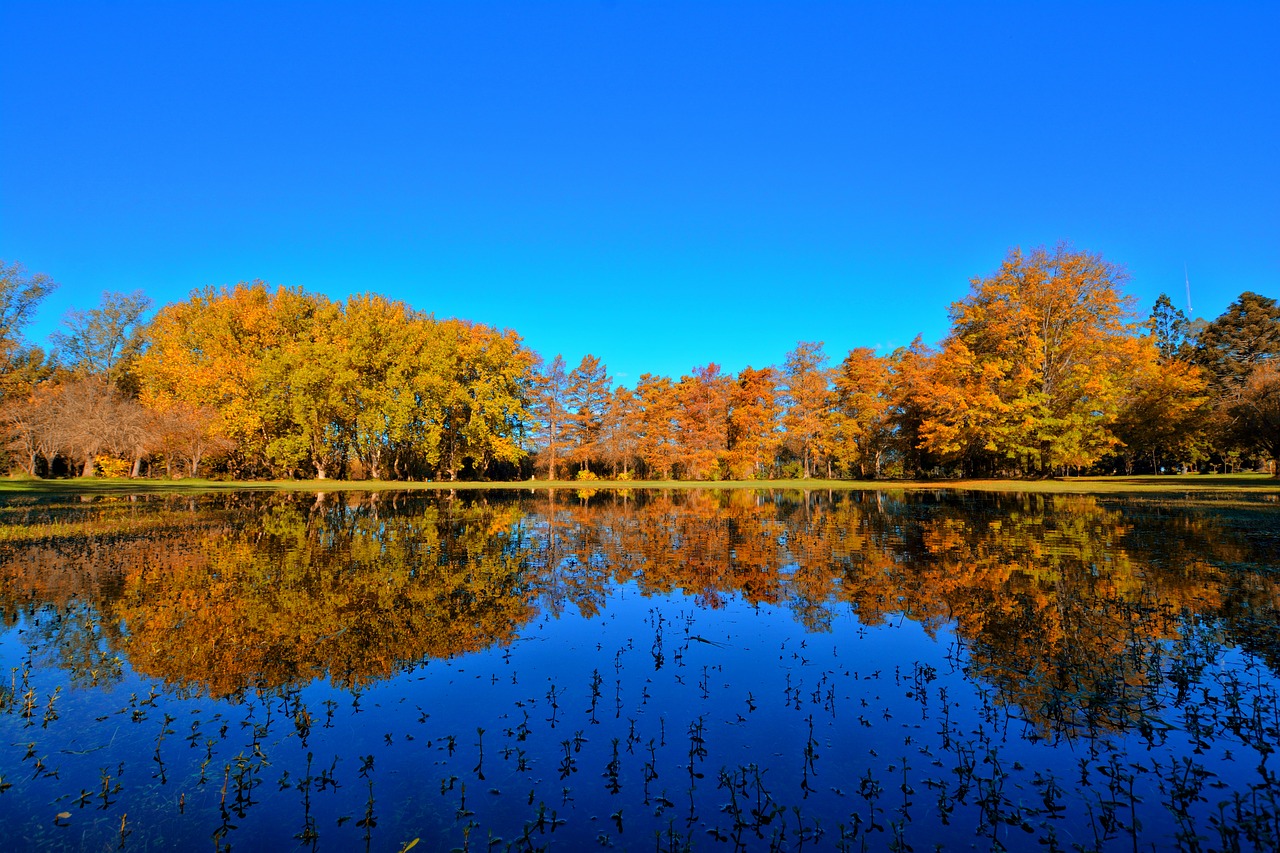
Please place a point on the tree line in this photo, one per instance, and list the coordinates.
(1046, 370)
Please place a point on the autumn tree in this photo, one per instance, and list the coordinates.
(755, 413)
(387, 367)
(964, 409)
(188, 434)
(702, 418)
(211, 350)
(1034, 367)
(1163, 408)
(656, 435)
(910, 382)
(307, 383)
(806, 400)
(860, 429)
(1255, 411)
(303, 384)
(587, 398)
(410, 395)
(487, 391)
(88, 414)
(618, 444)
(31, 427)
(80, 420)
(551, 409)
(83, 418)
(22, 379)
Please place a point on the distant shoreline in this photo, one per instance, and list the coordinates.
(1173, 483)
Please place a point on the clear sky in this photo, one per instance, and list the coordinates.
(659, 184)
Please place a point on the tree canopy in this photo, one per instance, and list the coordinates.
(1045, 370)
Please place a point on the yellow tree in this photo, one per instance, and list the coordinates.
(384, 343)
(1163, 409)
(211, 350)
(304, 385)
(1040, 352)
(490, 373)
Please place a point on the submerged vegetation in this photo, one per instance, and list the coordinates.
(666, 670)
(1047, 371)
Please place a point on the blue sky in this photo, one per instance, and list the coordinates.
(659, 184)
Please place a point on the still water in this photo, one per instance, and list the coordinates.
(660, 671)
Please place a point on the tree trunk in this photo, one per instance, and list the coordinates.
(87, 470)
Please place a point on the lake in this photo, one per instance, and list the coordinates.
(722, 670)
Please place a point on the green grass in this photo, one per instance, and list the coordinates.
(1073, 485)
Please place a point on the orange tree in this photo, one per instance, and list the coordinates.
(1033, 372)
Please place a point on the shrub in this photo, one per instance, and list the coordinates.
(110, 466)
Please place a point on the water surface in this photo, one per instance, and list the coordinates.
(707, 670)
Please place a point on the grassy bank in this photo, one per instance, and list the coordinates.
(1175, 484)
